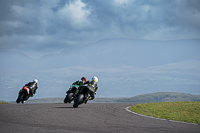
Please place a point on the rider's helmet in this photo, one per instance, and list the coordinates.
(95, 79)
(35, 80)
(83, 79)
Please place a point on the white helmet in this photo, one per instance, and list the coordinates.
(35, 80)
(95, 79)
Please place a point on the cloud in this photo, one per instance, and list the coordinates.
(75, 14)
(52, 25)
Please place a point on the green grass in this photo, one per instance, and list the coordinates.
(187, 111)
(4, 103)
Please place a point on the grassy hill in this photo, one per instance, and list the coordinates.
(161, 97)
(152, 97)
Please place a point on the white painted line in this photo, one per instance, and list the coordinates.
(127, 109)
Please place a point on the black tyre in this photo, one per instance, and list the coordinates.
(65, 100)
(78, 101)
(68, 98)
(17, 101)
(20, 98)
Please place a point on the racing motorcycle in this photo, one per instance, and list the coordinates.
(23, 95)
(82, 96)
(70, 94)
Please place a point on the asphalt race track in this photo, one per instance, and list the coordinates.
(91, 117)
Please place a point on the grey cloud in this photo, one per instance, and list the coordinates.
(148, 15)
(46, 25)
(15, 20)
(137, 15)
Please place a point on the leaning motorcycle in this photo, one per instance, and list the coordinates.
(82, 96)
(70, 95)
(23, 95)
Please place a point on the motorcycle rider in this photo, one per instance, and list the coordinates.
(77, 84)
(94, 84)
(32, 87)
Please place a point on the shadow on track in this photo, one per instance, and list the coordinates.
(64, 107)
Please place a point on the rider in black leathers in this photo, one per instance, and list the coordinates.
(32, 87)
(94, 84)
(78, 84)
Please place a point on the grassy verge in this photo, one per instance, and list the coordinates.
(4, 103)
(179, 111)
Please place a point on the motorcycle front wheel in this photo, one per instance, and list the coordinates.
(68, 98)
(78, 101)
(20, 98)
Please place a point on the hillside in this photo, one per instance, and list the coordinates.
(108, 53)
(161, 97)
(153, 97)
(125, 68)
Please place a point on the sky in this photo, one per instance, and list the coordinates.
(39, 27)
